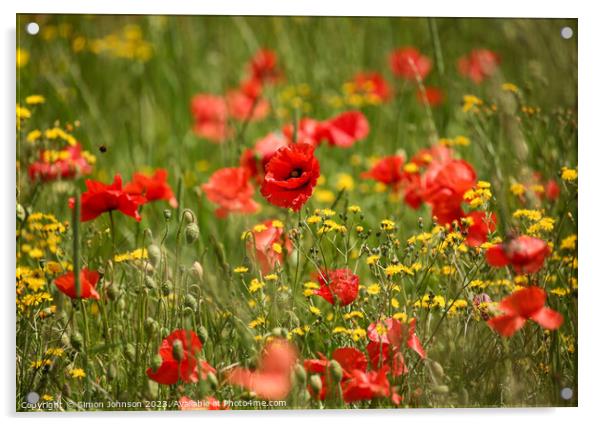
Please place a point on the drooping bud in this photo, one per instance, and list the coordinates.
(77, 341)
(113, 291)
(178, 350)
(300, 374)
(154, 254)
(167, 215)
(148, 234)
(315, 383)
(149, 282)
(436, 370)
(189, 216)
(130, 352)
(197, 268)
(191, 302)
(166, 288)
(156, 362)
(202, 334)
(151, 326)
(192, 232)
(280, 332)
(336, 371)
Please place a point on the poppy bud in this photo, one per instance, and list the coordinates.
(154, 254)
(188, 311)
(121, 304)
(111, 372)
(191, 302)
(212, 380)
(77, 341)
(300, 374)
(305, 395)
(150, 325)
(202, 334)
(156, 362)
(197, 268)
(21, 212)
(178, 350)
(130, 352)
(440, 390)
(149, 282)
(336, 372)
(148, 234)
(315, 383)
(189, 216)
(436, 370)
(166, 288)
(113, 291)
(192, 233)
(167, 215)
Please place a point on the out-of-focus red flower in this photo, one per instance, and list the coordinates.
(444, 186)
(243, 107)
(153, 187)
(394, 332)
(409, 63)
(68, 164)
(432, 96)
(210, 114)
(338, 285)
(185, 369)
(366, 385)
(272, 379)
(264, 66)
(291, 175)
(88, 280)
(371, 84)
(384, 354)
(345, 129)
(552, 191)
(478, 64)
(268, 244)
(526, 254)
(482, 224)
(230, 189)
(208, 403)
(101, 198)
(522, 305)
(255, 159)
(387, 171)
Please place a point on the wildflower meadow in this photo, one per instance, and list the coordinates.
(236, 213)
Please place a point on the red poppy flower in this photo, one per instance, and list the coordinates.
(394, 332)
(243, 107)
(431, 96)
(364, 385)
(68, 164)
(480, 228)
(208, 403)
(101, 198)
(526, 254)
(87, 279)
(262, 152)
(384, 354)
(409, 63)
(387, 171)
(552, 190)
(187, 367)
(345, 129)
(210, 114)
(153, 187)
(522, 305)
(272, 379)
(230, 189)
(372, 84)
(444, 186)
(478, 64)
(341, 284)
(264, 66)
(291, 175)
(268, 245)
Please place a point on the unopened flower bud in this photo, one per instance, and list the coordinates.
(178, 350)
(113, 291)
(203, 334)
(189, 216)
(156, 362)
(437, 370)
(130, 352)
(280, 332)
(111, 372)
(148, 234)
(166, 288)
(190, 302)
(167, 214)
(149, 282)
(192, 232)
(440, 390)
(300, 374)
(77, 341)
(150, 325)
(336, 372)
(154, 254)
(197, 268)
(315, 383)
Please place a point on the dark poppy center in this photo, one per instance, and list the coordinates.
(296, 173)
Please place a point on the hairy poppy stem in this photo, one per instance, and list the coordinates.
(75, 224)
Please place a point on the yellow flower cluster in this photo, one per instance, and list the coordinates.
(294, 98)
(40, 236)
(132, 255)
(126, 44)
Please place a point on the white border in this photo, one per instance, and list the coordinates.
(590, 185)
